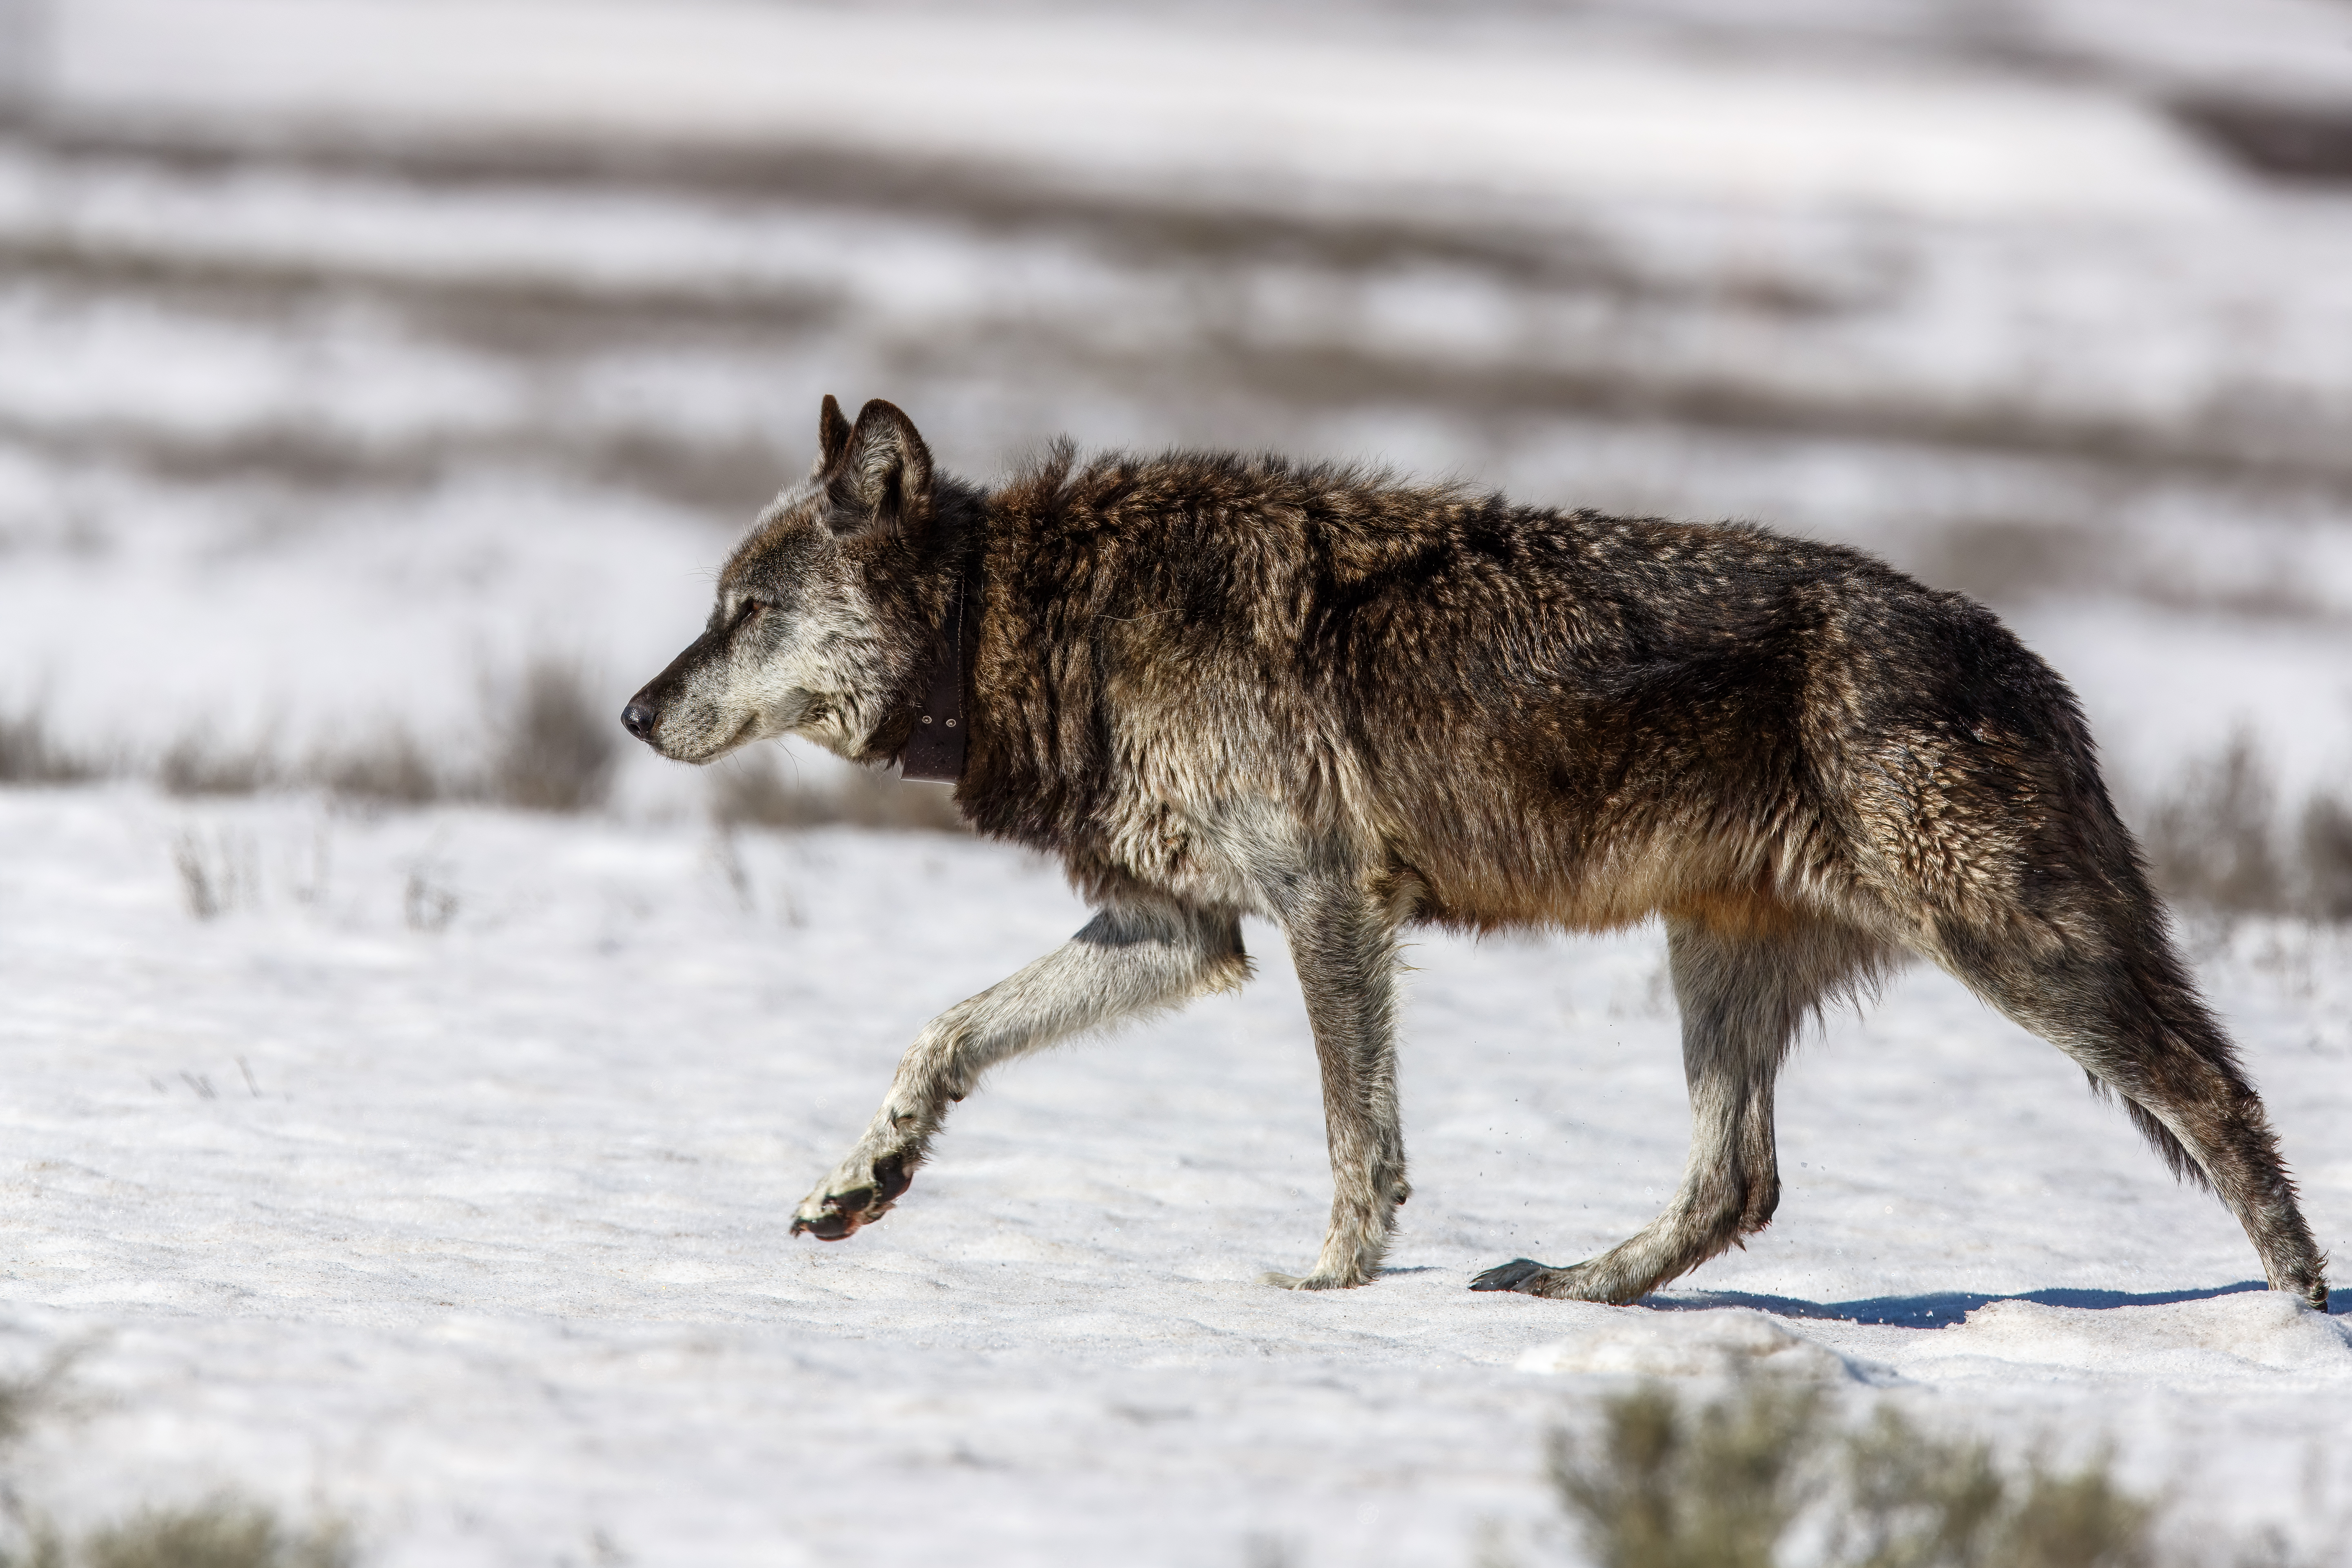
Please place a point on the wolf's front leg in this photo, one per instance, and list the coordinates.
(1128, 959)
(1343, 943)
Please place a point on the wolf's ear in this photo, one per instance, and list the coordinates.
(831, 435)
(883, 480)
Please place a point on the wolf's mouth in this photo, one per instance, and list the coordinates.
(742, 731)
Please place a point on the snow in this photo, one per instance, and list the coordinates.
(477, 1234)
(2214, 1345)
(443, 1180)
(1104, 97)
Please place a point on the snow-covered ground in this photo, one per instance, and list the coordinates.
(444, 1180)
(441, 1180)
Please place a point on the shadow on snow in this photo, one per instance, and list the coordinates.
(1944, 1306)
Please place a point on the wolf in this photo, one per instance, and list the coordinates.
(1218, 684)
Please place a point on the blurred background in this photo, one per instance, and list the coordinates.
(381, 381)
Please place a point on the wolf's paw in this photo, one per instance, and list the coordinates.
(1321, 1279)
(856, 1194)
(1281, 1281)
(1577, 1282)
(1516, 1275)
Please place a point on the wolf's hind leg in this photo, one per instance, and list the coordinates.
(1745, 987)
(1128, 960)
(2121, 1003)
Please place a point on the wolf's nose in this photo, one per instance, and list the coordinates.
(638, 719)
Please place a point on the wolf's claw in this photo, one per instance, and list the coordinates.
(826, 1228)
(834, 1216)
(1508, 1276)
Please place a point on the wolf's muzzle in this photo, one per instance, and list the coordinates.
(639, 719)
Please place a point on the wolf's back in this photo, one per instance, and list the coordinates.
(1547, 714)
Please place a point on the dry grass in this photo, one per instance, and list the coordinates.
(223, 1532)
(2210, 840)
(751, 790)
(2325, 843)
(194, 765)
(1736, 1482)
(217, 874)
(554, 745)
(426, 904)
(1717, 1487)
(391, 767)
(2219, 842)
(29, 754)
(1917, 1500)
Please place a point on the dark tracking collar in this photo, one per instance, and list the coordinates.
(934, 751)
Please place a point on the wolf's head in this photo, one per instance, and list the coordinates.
(795, 644)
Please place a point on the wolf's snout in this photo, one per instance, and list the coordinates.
(639, 719)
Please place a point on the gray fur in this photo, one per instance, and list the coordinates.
(1215, 686)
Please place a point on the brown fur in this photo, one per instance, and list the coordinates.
(1214, 685)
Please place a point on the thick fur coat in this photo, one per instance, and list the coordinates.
(1216, 685)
